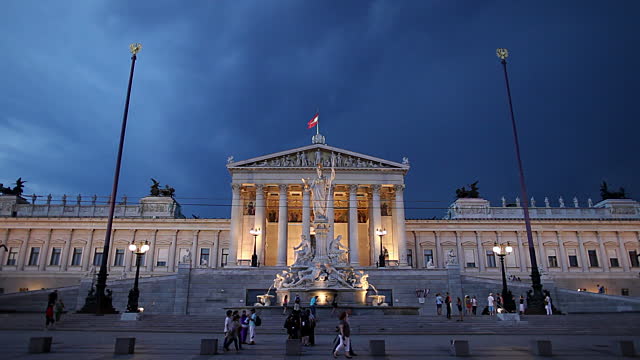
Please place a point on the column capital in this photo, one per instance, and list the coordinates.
(376, 188)
(306, 188)
(235, 187)
(477, 232)
(458, 233)
(399, 187)
(259, 187)
(195, 232)
(436, 233)
(353, 188)
(283, 188)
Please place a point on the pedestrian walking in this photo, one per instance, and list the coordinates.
(285, 302)
(439, 304)
(244, 327)
(292, 324)
(48, 314)
(474, 305)
(59, 309)
(53, 297)
(233, 334)
(312, 334)
(345, 334)
(447, 303)
(305, 327)
(521, 306)
(491, 304)
(227, 322)
(254, 320)
(467, 304)
(547, 304)
(312, 304)
(460, 311)
(296, 304)
(334, 304)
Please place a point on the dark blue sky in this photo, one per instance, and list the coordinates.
(392, 78)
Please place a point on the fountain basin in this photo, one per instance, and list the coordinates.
(345, 297)
(378, 300)
(264, 300)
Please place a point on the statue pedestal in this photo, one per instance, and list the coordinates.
(160, 207)
(325, 296)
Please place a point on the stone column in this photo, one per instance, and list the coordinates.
(330, 215)
(152, 251)
(439, 256)
(234, 228)
(306, 212)
(521, 252)
(563, 253)
(283, 225)
(583, 252)
(172, 252)
(480, 251)
(194, 249)
(460, 252)
(66, 251)
(400, 225)
(2, 251)
(22, 258)
(624, 255)
(377, 220)
(213, 261)
(354, 255)
(86, 252)
(543, 254)
(604, 257)
(128, 254)
(259, 222)
(45, 250)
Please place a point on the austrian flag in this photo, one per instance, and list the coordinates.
(314, 121)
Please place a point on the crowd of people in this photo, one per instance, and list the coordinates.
(495, 304)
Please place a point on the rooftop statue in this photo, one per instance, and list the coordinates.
(157, 191)
(472, 193)
(17, 190)
(606, 194)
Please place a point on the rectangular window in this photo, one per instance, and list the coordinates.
(55, 256)
(573, 257)
(469, 258)
(428, 258)
(593, 258)
(204, 256)
(633, 256)
(77, 257)
(97, 257)
(13, 256)
(410, 257)
(119, 258)
(491, 258)
(224, 258)
(142, 259)
(33, 257)
(613, 258)
(163, 255)
(551, 256)
(624, 292)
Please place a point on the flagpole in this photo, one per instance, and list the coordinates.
(318, 124)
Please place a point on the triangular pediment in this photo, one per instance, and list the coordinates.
(312, 155)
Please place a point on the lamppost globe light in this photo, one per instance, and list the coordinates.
(254, 232)
(381, 232)
(135, 48)
(508, 249)
(133, 247)
(502, 53)
(145, 248)
(496, 249)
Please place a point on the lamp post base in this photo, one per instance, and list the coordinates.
(381, 261)
(254, 260)
(535, 297)
(91, 304)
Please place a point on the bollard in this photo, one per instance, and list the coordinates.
(624, 348)
(541, 347)
(377, 348)
(459, 348)
(40, 344)
(208, 346)
(125, 346)
(293, 347)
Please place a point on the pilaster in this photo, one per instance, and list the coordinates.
(354, 255)
(283, 224)
(400, 225)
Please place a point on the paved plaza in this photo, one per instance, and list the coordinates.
(576, 342)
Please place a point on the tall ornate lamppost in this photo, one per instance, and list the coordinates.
(381, 233)
(254, 257)
(536, 301)
(134, 294)
(507, 298)
(103, 303)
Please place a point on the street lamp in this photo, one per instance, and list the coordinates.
(381, 233)
(507, 298)
(254, 257)
(102, 304)
(134, 294)
(536, 301)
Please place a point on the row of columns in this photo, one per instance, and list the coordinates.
(281, 259)
(541, 254)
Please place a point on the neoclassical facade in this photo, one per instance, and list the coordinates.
(577, 246)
